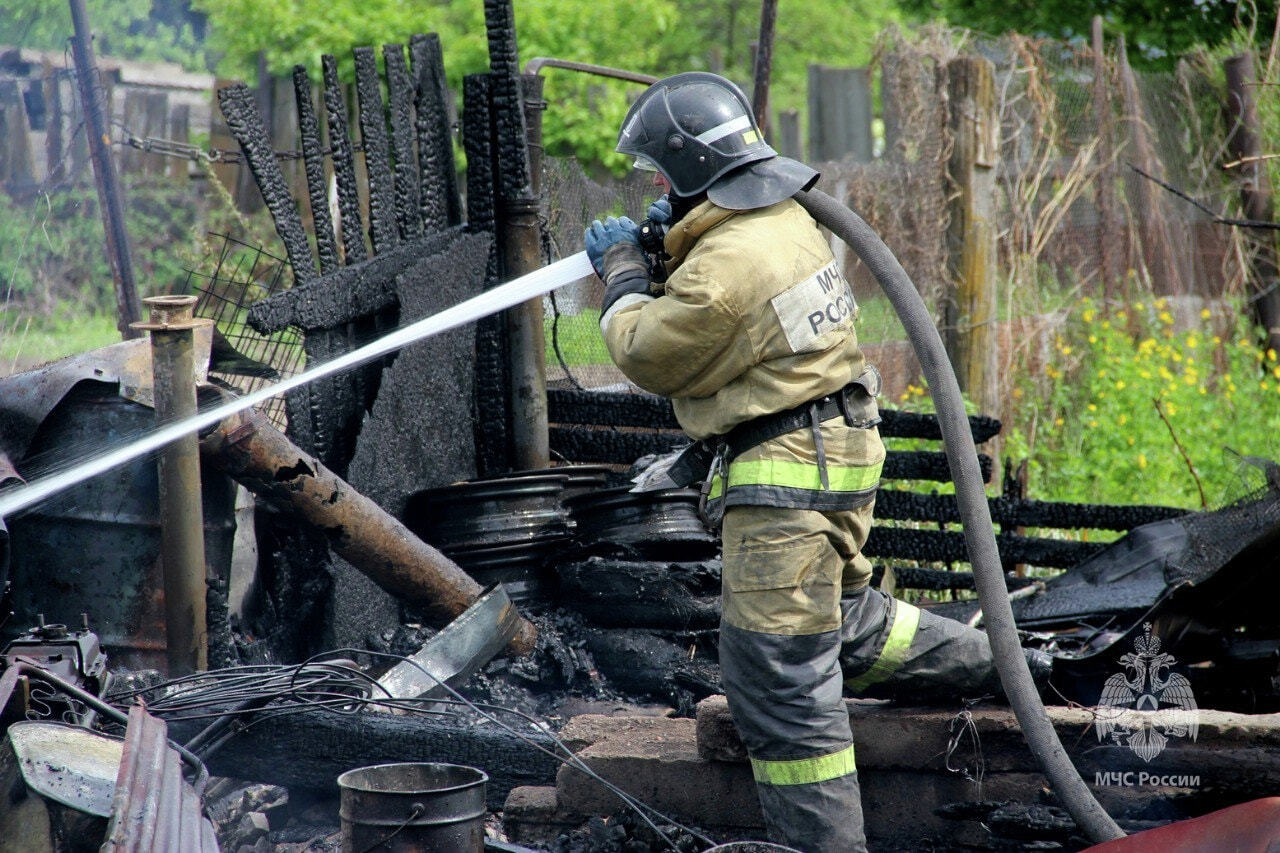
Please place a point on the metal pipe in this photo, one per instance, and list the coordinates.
(521, 234)
(246, 447)
(172, 327)
(128, 311)
(535, 66)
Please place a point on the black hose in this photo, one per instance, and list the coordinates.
(975, 515)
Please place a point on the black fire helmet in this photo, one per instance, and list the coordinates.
(697, 129)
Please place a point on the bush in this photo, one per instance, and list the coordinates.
(1130, 390)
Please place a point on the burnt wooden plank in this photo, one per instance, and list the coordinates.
(244, 120)
(946, 546)
(1010, 512)
(344, 164)
(615, 408)
(493, 446)
(438, 196)
(311, 748)
(580, 444)
(508, 108)
(400, 96)
(360, 290)
(383, 232)
(313, 160)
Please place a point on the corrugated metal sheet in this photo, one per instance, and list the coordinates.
(155, 809)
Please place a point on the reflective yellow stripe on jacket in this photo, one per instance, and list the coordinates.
(797, 475)
(804, 771)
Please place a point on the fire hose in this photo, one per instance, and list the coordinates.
(975, 514)
(943, 387)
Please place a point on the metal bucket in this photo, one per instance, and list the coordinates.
(411, 807)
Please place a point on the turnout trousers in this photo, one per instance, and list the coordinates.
(794, 640)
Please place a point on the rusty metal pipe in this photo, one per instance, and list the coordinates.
(247, 448)
(172, 326)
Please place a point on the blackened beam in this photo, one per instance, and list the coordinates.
(364, 288)
(310, 749)
(618, 447)
(317, 183)
(344, 164)
(405, 165)
(1011, 512)
(610, 408)
(245, 122)
(438, 196)
(383, 231)
(247, 448)
(945, 546)
(508, 104)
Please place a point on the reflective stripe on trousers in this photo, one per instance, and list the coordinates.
(891, 649)
(785, 695)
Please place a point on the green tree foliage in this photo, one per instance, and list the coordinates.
(153, 30)
(659, 37)
(1157, 31)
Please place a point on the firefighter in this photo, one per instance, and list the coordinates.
(751, 335)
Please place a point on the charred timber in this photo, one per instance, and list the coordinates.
(356, 291)
(250, 450)
(245, 122)
(313, 161)
(508, 108)
(944, 546)
(344, 164)
(492, 435)
(400, 94)
(377, 156)
(1011, 512)
(579, 444)
(608, 408)
(310, 749)
(438, 196)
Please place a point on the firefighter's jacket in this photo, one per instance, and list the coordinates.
(755, 318)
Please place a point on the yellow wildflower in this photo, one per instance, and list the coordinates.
(1088, 315)
(1170, 409)
(1142, 460)
(1138, 306)
(1166, 318)
(1205, 313)
(1058, 421)
(1092, 424)
(1122, 420)
(1092, 407)
(1192, 342)
(1271, 354)
(1119, 384)
(1161, 302)
(1130, 440)
(1093, 339)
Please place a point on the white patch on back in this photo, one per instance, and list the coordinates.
(821, 304)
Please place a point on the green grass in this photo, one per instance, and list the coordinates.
(27, 339)
(579, 337)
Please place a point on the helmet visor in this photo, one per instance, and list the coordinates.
(644, 164)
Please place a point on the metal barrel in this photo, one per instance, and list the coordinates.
(412, 807)
(95, 548)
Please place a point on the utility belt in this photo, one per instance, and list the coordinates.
(855, 401)
(707, 461)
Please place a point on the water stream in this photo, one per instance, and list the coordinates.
(534, 284)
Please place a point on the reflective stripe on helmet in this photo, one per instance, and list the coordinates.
(720, 131)
(906, 619)
(804, 771)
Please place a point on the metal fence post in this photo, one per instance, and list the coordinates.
(172, 327)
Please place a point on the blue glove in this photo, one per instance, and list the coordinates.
(659, 213)
(601, 235)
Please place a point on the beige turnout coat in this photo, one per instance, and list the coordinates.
(755, 318)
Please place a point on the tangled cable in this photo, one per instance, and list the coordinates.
(238, 698)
